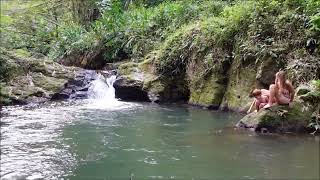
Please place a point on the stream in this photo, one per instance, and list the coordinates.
(104, 138)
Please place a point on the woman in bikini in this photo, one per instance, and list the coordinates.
(282, 92)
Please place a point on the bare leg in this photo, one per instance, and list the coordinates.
(273, 91)
(262, 105)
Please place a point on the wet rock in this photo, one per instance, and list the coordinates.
(129, 86)
(130, 89)
(77, 87)
(38, 80)
(277, 119)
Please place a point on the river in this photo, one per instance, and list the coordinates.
(103, 138)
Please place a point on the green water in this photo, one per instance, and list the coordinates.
(81, 140)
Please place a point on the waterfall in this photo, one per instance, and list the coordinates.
(101, 94)
(102, 89)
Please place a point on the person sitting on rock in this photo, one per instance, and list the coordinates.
(261, 98)
(282, 92)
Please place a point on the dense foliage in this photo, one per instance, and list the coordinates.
(137, 28)
(173, 31)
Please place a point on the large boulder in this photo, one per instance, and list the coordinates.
(137, 82)
(39, 80)
(278, 119)
(130, 89)
(129, 84)
(77, 87)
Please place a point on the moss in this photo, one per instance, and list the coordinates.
(241, 82)
(302, 89)
(22, 53)
(48, 83)
(155, 86)
(9, 68)
(127, 68)
(4, 94)
(279, 119)
(207, 92)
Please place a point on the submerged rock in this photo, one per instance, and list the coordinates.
(278, 119)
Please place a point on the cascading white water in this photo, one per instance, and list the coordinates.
(101, 94)
(102, 88)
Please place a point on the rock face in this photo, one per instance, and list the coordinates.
(41, 80)
(130, 90)
(77, 87)
(241, 81)
(244, 75)
(277, 119)
(129, 84)
(208, 80)
(136, 82)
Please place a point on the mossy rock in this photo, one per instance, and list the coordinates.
(128, 68)
(241, 82)
(164, 89)
(33, 80)
(207, 92)
(278, 119)
(50, 84)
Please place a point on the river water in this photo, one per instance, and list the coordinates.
(103, 138)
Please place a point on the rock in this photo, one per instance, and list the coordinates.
(246, 74)
(309, 93)
(136, 82)
(77, 87)
(267, 70)
(278, 119)
(165, 89)
(241, 82)
(130, 89)
(38, 80)
(208, 85)
(129, 84)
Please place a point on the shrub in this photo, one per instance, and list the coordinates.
(70, 38)
(197, 38)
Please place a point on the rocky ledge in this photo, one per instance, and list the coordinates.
(277, 119)
(137, 82)
(283, 119)
(31, 80)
